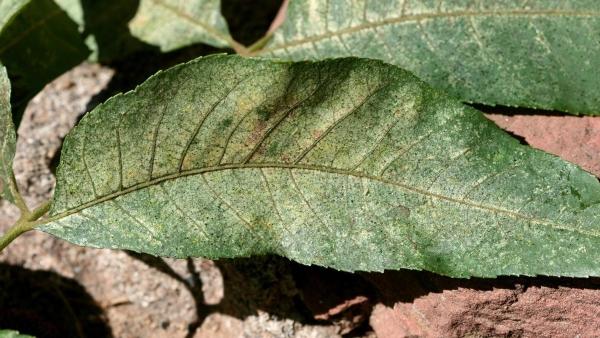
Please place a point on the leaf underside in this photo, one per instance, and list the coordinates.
(38, 42)
(348, 163)
(540, 54)
(172, 24)
(8, 138)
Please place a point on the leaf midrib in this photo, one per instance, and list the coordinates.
(200, 171)
(430, 16)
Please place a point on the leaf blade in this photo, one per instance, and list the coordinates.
(9, 140)
(173, 24)
(104, 27)
(226, 157)
(38, 42)
(539, 55)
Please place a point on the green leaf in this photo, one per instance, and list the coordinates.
(13, 334)
(74, 10)
(172, 24)
(541, 54)
(38, 42)
(8, 138)
(352, 164)
(9, 8)
(104, 26)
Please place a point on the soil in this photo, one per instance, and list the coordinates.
(51, 288)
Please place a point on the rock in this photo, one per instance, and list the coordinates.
(220, 326)
(266, 326)
(534, 311)
(573, 138)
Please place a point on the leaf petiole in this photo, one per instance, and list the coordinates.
(26, 222)
(258, 45)
(19, 201)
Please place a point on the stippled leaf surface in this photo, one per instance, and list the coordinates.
(542, 54)
(171, 24)
(8, 138)
(38, 42)
(352, 164)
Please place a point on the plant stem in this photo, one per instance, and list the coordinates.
(258, 45)
(19, 201)
(39, 211)
(21, 227)
(277, 22)
(238, 48)
(25, 223)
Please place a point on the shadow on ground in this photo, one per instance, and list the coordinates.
(320, 296)
(45, 304)
(407, 285)
(250, 284)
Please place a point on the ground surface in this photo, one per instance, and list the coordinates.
(55, 289)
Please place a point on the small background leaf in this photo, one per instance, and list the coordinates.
(172, 24)
(104, 26)
(541, 54)
(13, 334)
(7, 137)
(9, 8)
(38, 42)
(352, 164)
